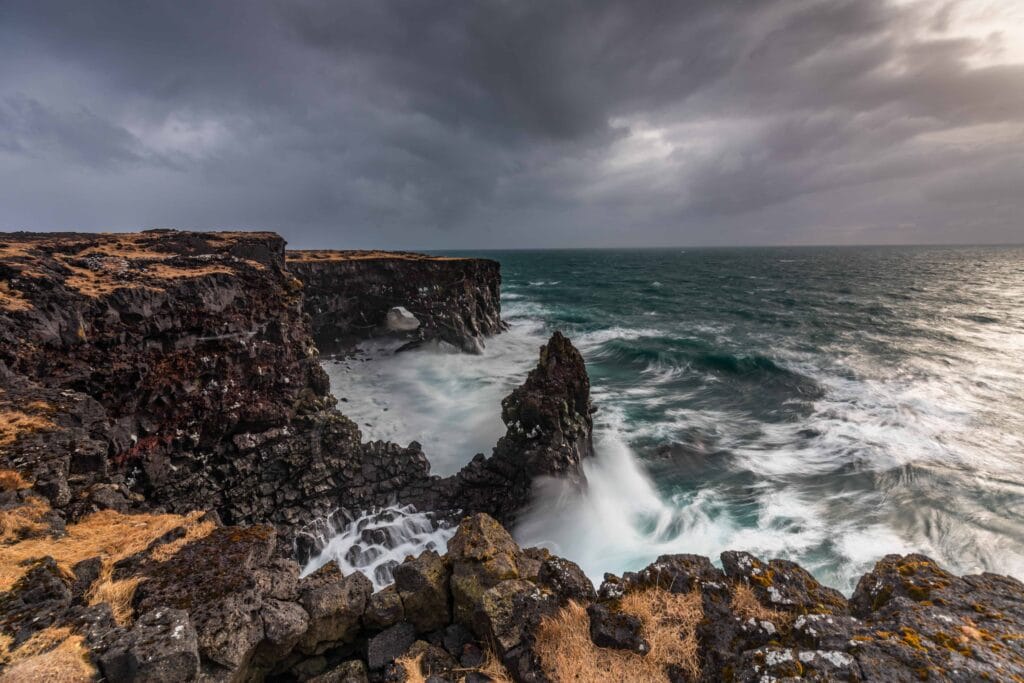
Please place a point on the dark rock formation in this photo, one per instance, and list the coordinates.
(550, 433)
(348, 294)
(177, 370)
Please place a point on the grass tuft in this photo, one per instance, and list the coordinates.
(669, 625)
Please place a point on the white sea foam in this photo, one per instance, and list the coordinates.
(449, 402)
(375, 542)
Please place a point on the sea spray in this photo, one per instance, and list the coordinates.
(377, 541)
(822, 405)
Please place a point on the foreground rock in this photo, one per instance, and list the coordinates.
(223, 608)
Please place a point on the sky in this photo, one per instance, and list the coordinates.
(444, 124)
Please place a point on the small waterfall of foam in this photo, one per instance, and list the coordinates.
(377, 541)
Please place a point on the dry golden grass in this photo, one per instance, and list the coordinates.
(12, 481)
(746, 605)
(11, 299)
(54, 655)
(107, 534)
(494, 669)
(669, 626)
(118, 594)
(13, 423)
(166, 272)
(412, 669)
(24, 520)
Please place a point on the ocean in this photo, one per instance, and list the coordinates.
(823, 405)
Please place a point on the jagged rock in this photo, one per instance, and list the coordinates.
(504, 613)
(481, 554)
(530, 562)
(616, 629)
(335, 605)
(86, 572)
(161, 647)
(783, 585)
(550, 433)
(389, 645)
(215, 580)
(566, 580)
(284, 623)
(422, 585)
(384, 609)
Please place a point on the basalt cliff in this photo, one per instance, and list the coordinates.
(167, 437)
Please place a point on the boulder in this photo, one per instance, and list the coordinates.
(566, 580)
(160, 648)
(422, 584)
(783, 585)
(284, 623)
(616, 629)
(335, 605)
(399, 319)
(482, 554)
(505, 613)
(388, 645)
(384, 609)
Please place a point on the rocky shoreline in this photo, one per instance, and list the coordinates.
(167, 433)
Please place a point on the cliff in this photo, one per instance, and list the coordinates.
(348, 295)
(177, 370)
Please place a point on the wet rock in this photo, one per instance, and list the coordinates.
(384, 609)
(389, 645)
(335, 605)
(422, 585)
(160, 648)
(617, 630)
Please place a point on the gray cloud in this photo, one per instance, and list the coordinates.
(514, 124)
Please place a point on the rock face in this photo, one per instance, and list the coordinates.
(550, 433)
(178, 370)
(350, 295)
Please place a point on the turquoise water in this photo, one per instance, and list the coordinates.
(823, 405)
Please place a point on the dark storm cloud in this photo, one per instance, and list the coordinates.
(514, 123)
